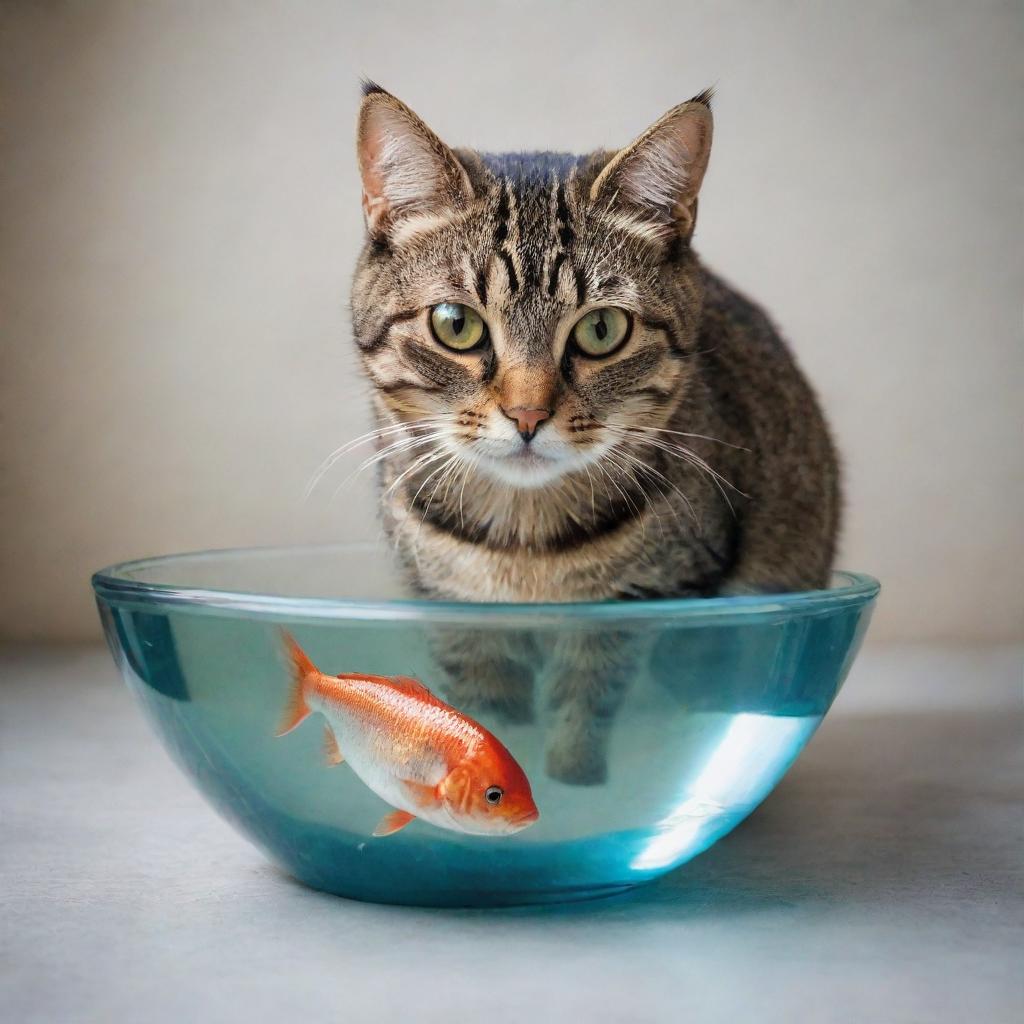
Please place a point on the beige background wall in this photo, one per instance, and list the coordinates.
(180, 216)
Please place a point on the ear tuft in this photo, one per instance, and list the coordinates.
(658, 176)
(703, 98)
(367, 86)
(406, 169)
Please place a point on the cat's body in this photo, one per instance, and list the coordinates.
(768, 524)
(623, 425)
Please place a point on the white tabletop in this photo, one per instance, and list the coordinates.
(880, 882)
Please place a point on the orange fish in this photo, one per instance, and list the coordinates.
(419, 754)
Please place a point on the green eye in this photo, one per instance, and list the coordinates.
(457, 326)
(601, 331)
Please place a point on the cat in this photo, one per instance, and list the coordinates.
(571, 406)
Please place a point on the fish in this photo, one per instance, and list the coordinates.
(417, 753)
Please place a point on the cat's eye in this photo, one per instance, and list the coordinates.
(601, 332)
(494, 794)
(457, 327)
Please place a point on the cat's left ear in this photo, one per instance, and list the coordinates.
(659, 175)
(406, 169)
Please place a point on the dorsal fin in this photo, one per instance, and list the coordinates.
(406, 684)
(416, 689)
(363, 677)
(411, 685)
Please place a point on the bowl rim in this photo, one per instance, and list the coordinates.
(115, 586)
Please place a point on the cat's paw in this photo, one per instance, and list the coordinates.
(577, 761)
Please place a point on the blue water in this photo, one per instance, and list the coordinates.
(713, 719)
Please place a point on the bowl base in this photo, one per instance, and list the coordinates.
(455, 900)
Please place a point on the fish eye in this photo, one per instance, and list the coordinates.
(457, 326)
(602, 331)
(493, 794)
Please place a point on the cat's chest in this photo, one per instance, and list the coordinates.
(456, 569)
(640, 556)
(476, 573)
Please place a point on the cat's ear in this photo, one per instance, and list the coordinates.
(406, 169)
(659, 175)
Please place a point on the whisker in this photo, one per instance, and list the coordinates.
(681, 451)
(607, 477)
(642, 469)
(396, 448)
(657, 475)
(420, 462)
(462, 493)
(450, 478)
(445, 470)
(690, 457)
(371, 435)
(625, 497)
(593, 500)
(683, 433)
(452, 457)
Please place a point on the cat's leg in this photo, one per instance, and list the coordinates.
(590, 674)
(489, 670)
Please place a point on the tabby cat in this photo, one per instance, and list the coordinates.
(571, 406)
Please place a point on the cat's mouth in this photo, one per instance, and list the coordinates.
(528, 455)
(524, 466)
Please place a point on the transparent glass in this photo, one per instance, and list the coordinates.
(725, 696)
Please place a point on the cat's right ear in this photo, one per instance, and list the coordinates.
(407, 171)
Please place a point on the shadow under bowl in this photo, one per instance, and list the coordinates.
(712, 701)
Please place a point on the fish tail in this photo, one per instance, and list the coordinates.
(304, 673)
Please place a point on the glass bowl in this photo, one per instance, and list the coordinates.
(720, 696)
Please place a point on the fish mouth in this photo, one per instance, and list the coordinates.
(524, 820)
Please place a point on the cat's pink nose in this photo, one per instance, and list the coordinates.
(527, 420)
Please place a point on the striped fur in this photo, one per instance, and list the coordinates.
(694, 460)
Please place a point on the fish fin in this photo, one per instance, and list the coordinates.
(404, 683)
(361, 677)
(331, 751)
(393, 822)
(296, 709)
(411, 685)
(421, 794)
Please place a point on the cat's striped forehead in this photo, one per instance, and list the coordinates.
(534, 217)
(533, 227)
(529, 170)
